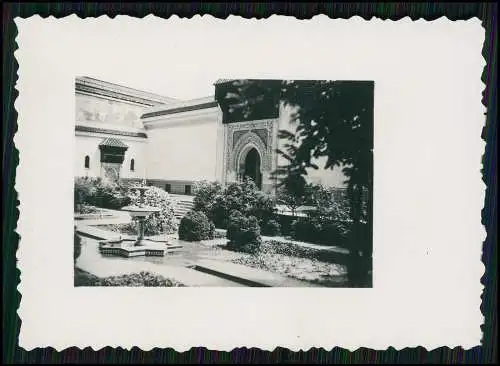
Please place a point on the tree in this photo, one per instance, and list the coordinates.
(334, 119)
(292, 192)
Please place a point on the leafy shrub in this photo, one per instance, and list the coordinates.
(100, 193)
(83, 278)
(328, 225)
(84, 192)
(77, 246)
(111, 195)
(162, 222)
(271, 228)
(146, 279)
(263, 207)
(321, 229)
(243, 232)
(217, 203)
(86, 209)
(205, 196)
(195, 226)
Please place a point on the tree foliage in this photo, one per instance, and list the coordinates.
(217, 202)
(333, 119)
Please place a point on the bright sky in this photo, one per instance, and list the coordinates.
(177, 58)
(182, 58)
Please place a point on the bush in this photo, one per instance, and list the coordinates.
(271, 228)
(195, 226)
(217, 203)
(146, 279)
(77, 246)
(243, 232)
(206, 194)
(84, 192)
(96, 192)
(162, 222)
(85, 209)
(325, 226)
(83, 278)
(263, 207)
(111, 195)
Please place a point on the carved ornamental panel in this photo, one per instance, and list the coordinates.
(241, 136)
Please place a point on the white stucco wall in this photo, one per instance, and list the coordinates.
(183, 146)
(88, 145)
(95, 109)
(327, 177)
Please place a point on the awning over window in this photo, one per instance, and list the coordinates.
(112, 150)
(113, 142)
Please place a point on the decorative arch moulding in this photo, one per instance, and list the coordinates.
(246, 143)
(246, 136)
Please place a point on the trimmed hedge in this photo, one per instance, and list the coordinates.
(271, 228)
(195, 226)
(243, 233)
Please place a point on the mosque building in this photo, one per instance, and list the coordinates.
(124, 133)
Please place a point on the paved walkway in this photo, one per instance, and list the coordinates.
(91, 261)
(213, 264)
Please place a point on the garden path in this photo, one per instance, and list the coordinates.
(91, 261)
(213, 263)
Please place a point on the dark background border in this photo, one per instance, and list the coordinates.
(12, 353)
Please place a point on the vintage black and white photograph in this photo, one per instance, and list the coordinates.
(264, 183)
(191, 182)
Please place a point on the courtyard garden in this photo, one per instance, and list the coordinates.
(236, 224)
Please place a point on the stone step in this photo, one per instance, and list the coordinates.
(184, 203)
(183, 208)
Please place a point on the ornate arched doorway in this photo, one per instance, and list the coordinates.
(251, 167)
(249, 154)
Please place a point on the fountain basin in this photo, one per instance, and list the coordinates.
(140, 246)
(127, 248)
(136, 211)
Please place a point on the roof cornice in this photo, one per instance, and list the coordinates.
(182, 109)
(80, 128)
(105, 89)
